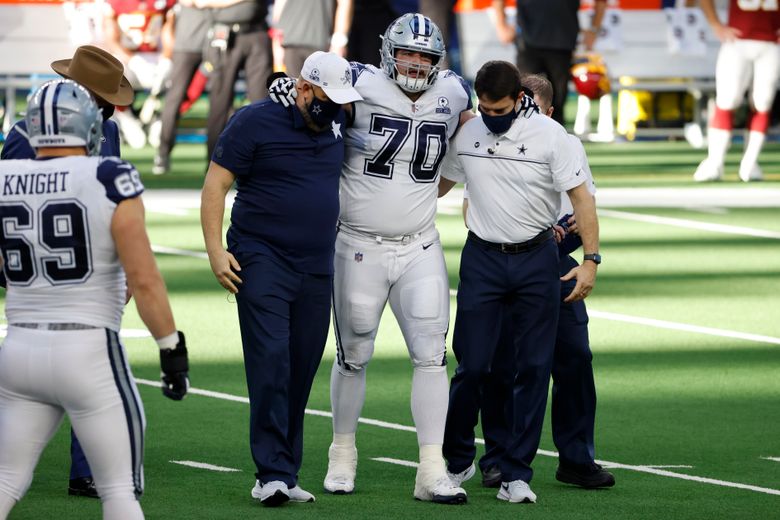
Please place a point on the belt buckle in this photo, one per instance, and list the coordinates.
(505, 248)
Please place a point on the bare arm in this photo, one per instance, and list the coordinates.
(588, 225)
(590, 35)
(342, 23)
(506, 32)
(167, 35)
(212, 212)
(723, 32)
(445, 185)
(143, 277)
(113, 37)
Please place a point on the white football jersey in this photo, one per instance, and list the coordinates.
(582, 162)
(60, 260)
(393, 152)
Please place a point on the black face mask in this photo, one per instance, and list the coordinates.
(323, 112)
(107, 111)
(499, 124)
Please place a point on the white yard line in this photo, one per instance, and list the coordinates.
(690, 224)
(204, 465)
(775, 459)
(397, 462)
(400, 427)
(179, 252)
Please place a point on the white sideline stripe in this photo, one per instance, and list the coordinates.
(181, 252)
(400, 427)
(397, 462)
(775, 459)
(661, 324)
(203, 465)
(690, 224)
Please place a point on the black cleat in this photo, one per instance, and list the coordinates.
(82, 487)
(588, 476)
(491, 477)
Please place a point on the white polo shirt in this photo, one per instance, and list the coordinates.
(514, 179)
(582, 158)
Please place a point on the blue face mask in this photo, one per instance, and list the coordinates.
(323, 112)
(499, 124)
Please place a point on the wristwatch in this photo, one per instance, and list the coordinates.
(593, 257)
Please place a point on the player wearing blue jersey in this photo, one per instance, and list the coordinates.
(286, 163)
(102, 75)
(74, 232)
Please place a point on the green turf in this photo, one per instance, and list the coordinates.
(666, 397)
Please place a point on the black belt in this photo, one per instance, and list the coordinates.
(512, 249)
(247, 27)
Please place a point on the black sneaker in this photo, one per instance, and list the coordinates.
(491, 477)
(588, 476)
(82, 487)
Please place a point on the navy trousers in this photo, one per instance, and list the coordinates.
(573, 392)
(491, 282)
(284, 317)
(79, 467)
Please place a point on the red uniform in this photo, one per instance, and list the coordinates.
(757, 19)
(141, 22)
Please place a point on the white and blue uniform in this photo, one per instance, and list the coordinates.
(510, 261)
(388, 247)
(64, 303)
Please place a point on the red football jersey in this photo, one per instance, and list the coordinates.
(757, 19)
(141, 22)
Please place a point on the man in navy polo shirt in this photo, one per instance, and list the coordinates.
(279, 262)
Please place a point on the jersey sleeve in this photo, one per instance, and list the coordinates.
(463, 84)
(120, 179)
(236, 145)
(451, 166)
(16, 144)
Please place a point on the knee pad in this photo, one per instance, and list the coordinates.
(421, 300)
(354, 356)
(428, 351)
(364, 313)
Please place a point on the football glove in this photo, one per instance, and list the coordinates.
(527, 107)
(282, 90)
(175, 370)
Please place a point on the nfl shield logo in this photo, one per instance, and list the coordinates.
(358, 257)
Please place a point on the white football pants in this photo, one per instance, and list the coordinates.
(84, 373)
(739, 62)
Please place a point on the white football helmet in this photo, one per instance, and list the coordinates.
(413, 32)
(63, 113)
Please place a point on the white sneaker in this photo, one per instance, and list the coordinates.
(433, 485)
(463, 476)
(274, 493)
(708, 172)
(298, 494)
(750, 173)
(342, 466)
(516, 492)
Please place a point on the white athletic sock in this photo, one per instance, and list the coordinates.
(582, 119)
(122, 509)
(606, 124)
(718, 141)
(430, 397)
(347, 395)
(755, 141)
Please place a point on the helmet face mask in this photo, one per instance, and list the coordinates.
(414, 33)
(62, 113)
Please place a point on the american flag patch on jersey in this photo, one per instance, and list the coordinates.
(358, 257)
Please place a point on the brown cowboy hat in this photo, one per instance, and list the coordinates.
(99, 72)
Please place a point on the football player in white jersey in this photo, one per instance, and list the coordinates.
(387, 247)
(73, 240)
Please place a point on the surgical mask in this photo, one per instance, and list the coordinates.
(323, 112)
(499, 124)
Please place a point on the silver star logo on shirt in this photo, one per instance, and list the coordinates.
(316, 110)
(336, 129)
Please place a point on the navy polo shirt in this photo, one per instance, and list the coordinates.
(287, 179)
(18, 147)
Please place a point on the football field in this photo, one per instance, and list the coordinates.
(685, 330)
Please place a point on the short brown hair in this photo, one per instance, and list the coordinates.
(541, 87)
(497, 79)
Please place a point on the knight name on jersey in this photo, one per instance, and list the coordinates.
(35, 183)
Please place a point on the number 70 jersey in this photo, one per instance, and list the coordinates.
(393, 152)
(60, 259)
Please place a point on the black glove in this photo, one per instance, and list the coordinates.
(527, 106)
(175, 367)
(282, 90)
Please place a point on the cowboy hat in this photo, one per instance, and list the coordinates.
(99, 72)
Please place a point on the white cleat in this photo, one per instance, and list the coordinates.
(433, 485)
(750, 173)
(274, 493)
(342, 466)
(516, 492)
(298, 494)
(459, 478)
(708, 172)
